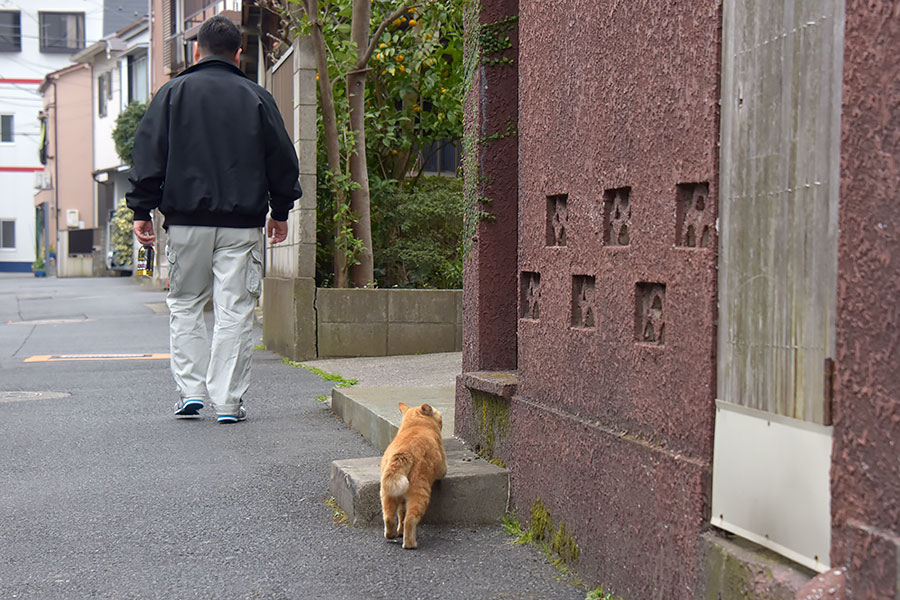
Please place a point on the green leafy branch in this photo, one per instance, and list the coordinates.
(510, 131)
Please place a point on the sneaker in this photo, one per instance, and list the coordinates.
(188, 407)
(239, 416)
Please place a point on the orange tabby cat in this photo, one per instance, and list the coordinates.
(409, 467)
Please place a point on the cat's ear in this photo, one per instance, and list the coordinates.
(426, 410)
(403, 407)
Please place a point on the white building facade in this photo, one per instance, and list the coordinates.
(36, 38)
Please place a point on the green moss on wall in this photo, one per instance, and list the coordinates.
(541, 525)
(560, 548)
(563, 544)
(491, 418)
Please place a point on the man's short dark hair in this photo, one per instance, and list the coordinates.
(219, 36)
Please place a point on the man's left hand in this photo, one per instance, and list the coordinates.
(144, 232)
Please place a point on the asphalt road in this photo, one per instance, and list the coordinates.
(104, 494)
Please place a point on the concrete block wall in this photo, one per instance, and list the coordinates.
(302, 322)
(289, 321)
(364, 322)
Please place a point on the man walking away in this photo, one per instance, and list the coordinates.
(213, 156)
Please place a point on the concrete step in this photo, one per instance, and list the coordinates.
(474, 491)
(373, 412)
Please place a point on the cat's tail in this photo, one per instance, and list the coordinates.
(394, 481)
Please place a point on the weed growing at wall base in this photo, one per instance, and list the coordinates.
(338, 516)
(599, 594)
(326, 376)
(559, 548)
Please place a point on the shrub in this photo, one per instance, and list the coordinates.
(418, 234)
(416, 231)
(126, 125)
(122, 235)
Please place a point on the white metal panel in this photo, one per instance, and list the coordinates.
(771, 482)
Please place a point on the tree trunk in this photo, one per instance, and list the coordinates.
(332, 144)
(363, 273)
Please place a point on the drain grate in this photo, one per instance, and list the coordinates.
(23, 396)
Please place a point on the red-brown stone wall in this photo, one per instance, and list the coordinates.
(612, 425)
(866, 461)
(489, 275)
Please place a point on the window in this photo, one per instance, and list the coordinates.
(173, 17)
(104, 93)
(7, 234)
(102, 85)
(7, 133)
(441, 157)
(81, 241)
(62, 32)
(192, 7)
(137, 78)
(10, 31)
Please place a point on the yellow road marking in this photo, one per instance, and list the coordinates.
(64, 357)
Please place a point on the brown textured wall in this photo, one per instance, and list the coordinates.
(635, 510)
(489, 276)
(866, 462)
(157, 35)
(612, 425)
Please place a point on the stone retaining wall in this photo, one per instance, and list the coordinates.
(362, 322)
(302, 324)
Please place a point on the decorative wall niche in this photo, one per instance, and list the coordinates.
(530, 294)
(650, 313)
(557, 219)
(584, 313)
(694, 219)
(617, 217)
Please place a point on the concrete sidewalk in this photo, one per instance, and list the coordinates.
(370, 406)
(424, 370)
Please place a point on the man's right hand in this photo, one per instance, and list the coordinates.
(144, 232)
(276, 231)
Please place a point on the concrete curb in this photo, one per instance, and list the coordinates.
(474, 491)
(373, 412)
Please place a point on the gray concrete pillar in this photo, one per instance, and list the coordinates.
(289, 324)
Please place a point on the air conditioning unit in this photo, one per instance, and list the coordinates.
(42, 180)
(72, 218)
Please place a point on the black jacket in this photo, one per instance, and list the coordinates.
(212, 150)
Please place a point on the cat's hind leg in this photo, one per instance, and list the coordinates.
(416, 504)
(402, 511)
(389, 509)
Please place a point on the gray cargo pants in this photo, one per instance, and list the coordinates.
(227, 264)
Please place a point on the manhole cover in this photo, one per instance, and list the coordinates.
(23, 396)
